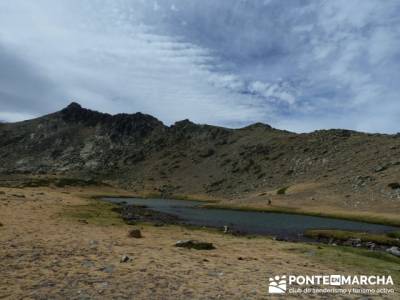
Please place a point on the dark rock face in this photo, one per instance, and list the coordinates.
(394, 185)
(137, 151)
(133, 214)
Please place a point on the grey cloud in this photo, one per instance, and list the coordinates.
(301, 64)
(23, 90)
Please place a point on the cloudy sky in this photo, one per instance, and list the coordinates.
(295, 64)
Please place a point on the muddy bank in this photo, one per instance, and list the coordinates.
(132, 214)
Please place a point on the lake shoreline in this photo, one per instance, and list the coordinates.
(365, 217)
(134, 214)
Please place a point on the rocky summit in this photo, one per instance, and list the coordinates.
(138, 152)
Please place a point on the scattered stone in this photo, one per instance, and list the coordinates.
(394, 251)
(380, 168)
(125, 258)
(396, 163)
(356, 242)
(394, 185)
(226, 229)
(83, 221)
(87, 263)
(370, 245)
(193, 244)
(93, 244)
(108, 269)
(215, 273)
(135, 233)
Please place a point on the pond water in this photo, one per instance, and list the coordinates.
(267, 223)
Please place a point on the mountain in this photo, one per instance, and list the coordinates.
(138, 152)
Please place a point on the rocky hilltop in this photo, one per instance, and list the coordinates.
(139, 152)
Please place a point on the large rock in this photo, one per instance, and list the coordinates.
(125, 258)
(193, 244)
(394, 250)
(135, 233)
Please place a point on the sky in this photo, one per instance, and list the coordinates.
(297, 65)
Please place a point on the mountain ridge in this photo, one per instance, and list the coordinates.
(138, 152)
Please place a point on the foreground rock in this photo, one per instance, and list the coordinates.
(125, 258)
(193, 244)
(135, 233)
(394, 250)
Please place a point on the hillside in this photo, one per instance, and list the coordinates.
(336, 168)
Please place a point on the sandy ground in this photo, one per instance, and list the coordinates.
(44, 255)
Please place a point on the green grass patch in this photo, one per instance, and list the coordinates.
(342, 235)
(354, 260)
(95, 212)
(394, 234)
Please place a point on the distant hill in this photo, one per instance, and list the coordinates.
(139, 152)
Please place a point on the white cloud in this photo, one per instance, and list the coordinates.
(306, 65)
(120, 67)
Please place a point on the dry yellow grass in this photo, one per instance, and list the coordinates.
(48, 253)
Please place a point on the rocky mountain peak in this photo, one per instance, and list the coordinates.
(183, 124)
(75, 113)
(258, 125)
(74, 106)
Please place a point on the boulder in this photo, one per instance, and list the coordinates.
(394, 250)
(193, 244)
(125, 258)
(135, 233)
(370, 245)
(355, 241)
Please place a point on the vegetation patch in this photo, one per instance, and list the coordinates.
(355, 260)
(394, 234)
(342, 235)
(95, 212)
